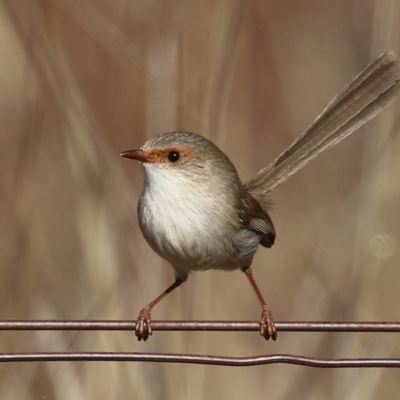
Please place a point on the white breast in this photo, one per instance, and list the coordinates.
(184, 224)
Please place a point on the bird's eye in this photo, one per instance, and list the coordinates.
(173, 156)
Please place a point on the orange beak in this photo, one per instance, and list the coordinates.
(137, 155)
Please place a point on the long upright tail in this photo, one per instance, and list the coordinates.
(364, 97)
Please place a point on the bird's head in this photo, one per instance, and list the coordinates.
(184, 154)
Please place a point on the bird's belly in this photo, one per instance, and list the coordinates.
(190, 241)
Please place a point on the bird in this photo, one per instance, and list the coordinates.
(197, 214)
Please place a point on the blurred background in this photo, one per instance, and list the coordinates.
(84, 80)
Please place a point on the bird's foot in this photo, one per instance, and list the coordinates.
(143, 324)
(267, 325)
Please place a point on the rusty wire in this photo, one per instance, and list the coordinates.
(215, 326)
(46, 325)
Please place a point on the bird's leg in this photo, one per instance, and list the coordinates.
(143, 324)
(267, 326)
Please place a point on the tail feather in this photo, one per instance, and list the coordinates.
(363, 98)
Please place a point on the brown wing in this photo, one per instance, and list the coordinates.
(265, 227)
(256, 219)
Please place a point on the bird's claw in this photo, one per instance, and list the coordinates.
(143, 325)
(267, 325)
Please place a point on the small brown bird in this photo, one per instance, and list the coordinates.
(196, 213)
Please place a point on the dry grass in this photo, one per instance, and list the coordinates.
(83, 80)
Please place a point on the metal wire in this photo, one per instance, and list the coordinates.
(215, 326)
(46, 325)
(205, 360)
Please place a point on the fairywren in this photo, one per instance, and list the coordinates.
(196, 213)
